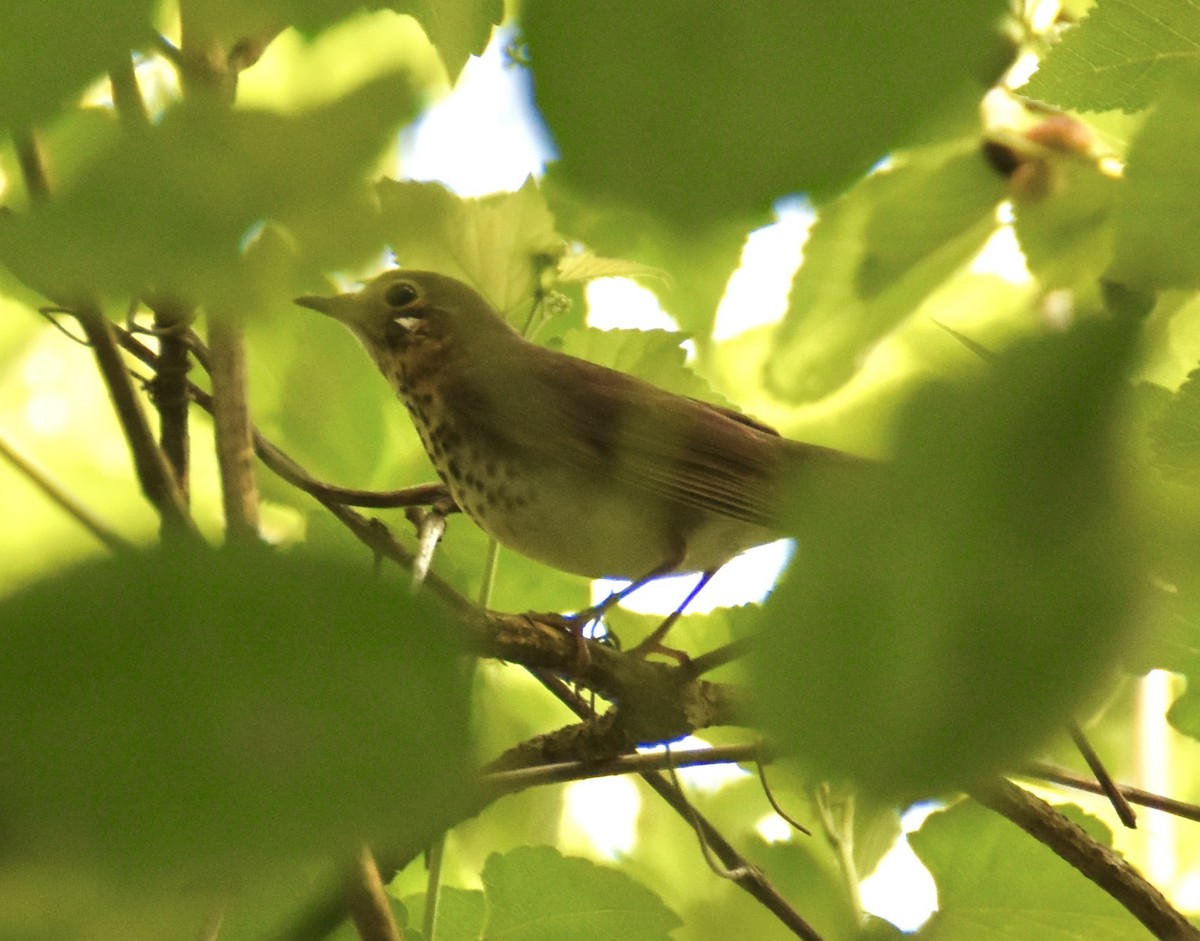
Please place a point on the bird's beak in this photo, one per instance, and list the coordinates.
(324, 305)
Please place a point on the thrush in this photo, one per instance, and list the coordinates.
(584, 468)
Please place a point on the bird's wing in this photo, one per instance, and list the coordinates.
(677, 448)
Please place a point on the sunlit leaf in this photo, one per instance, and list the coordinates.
(995, 882)
(1119, 56)
(874, 254)
(589, 899)
(1157, 217)
(460, 913)
(498, 244)
(654, 355)
(459, 28)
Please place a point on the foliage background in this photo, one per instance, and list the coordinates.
(1032, 557)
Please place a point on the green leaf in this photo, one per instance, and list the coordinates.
(702, 114)
(948, 611)
(700, 267)
(1176, 433)
(460, 913)
(653, 355)
(459, 28)
(220, 712)
(589, 901)
(1157, 218)
(169, 209)
(53, 49)
(499, 244)
(874, 254)
(995, 883)
(1066, 233)
(585, 266)
(1119, 56)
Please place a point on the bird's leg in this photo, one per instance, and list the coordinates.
(653, 643)
(581, 619)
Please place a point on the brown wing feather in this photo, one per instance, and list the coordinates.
(677, 448)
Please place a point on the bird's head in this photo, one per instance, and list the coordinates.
(408, 315)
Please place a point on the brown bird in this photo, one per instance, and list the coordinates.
(584, 468)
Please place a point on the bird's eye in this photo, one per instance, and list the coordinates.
(400, 294)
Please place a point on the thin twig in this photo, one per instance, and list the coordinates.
(61, 497)
(153, 473)
(706, 663)
(710, 858)
(1097, 862)
(775, 805)
(127, 95)
(1135, 795)
(1108, 787)
(370, 908)
(564, 772)
(33, 167)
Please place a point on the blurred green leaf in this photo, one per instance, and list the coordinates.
(702, 114)
(1157, 217)
(213, 712)
(53, 49)
(947, 612)
(459, 28)
(169, 209)
(460, 913)
(874, 254)
(1066, 233)
(498, 244)
(589, 900)
(1119, 55)
(995, 882)
(1176, 433)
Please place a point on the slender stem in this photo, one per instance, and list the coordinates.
(127, 95)
(1109, 787)
(840, 835)
(62, 498)
(433, 886)
(1135, 795)
(33, 166)
(170, 389)
(234, 434)
(369, 906)
(153, 472)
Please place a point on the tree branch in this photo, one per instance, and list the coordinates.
(153, 473)
(1134, 795)
(169, 390)
(1096, 861)
(231, 424)
(370, 909)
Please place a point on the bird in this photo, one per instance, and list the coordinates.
(584, 468)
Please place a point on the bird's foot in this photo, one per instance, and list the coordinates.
(653, 643)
